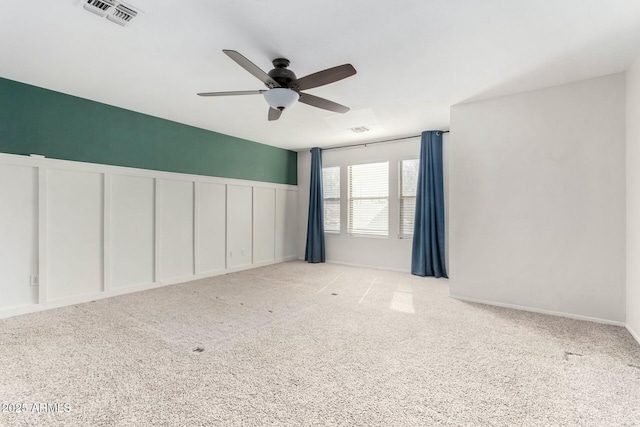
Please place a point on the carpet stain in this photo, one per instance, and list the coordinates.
(334, 294)
(568, 353)
(633, 366)
(198, 349)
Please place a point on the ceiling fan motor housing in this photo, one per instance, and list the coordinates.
(280, 73)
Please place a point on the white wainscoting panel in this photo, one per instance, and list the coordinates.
(74, 233)
(286, 223)
(132, 230)
(90, 231)
(176, 228)
(18, 235)
(239, 226)
(264, 224)
(212, 205)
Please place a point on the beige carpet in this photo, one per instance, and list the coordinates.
(301, 344)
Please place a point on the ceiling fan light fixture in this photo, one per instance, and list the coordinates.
(285, 89)
(281, 98)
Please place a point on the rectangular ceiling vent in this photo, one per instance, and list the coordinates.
(99, 7)
(115, 11)
(122, 15)
(359, 129)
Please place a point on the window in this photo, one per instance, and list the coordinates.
(408, 186)
(369, 199)
(331, 195)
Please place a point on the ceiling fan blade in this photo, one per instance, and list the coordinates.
(316, 101)
(252, 68)
(324, 77)
(237, 92)
(274, 114)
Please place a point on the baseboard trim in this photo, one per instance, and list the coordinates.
(114, 292)
(377, 267)
(542, 311)
(259, 264)
(633, 333)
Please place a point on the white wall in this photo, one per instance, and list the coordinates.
(18, 225)
(74, 233)
(91, 231)
(537, 200)
(239, 226)
(286, 222)
(175, 225)
(633, 199)
(212, 217)
(132, 230)
(380, 252)
(264, 224)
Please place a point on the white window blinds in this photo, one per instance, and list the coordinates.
(331, 196)
(368, 199)
(408, 186)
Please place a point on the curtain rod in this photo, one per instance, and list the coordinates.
(378, 142)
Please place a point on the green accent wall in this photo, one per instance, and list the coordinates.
(40, 121)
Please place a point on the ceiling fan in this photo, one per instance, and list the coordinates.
(285, 89)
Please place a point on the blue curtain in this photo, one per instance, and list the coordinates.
(315, 225)
(428, 255)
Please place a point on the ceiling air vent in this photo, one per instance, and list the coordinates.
(122, 15)
(99, 7)
(359, 129)
(114, 10)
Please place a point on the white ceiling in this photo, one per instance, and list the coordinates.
(415, 58)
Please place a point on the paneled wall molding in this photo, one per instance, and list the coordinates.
(196, 228)
(157, 196)
(42, 233)
(106, 234)
(101, 231)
